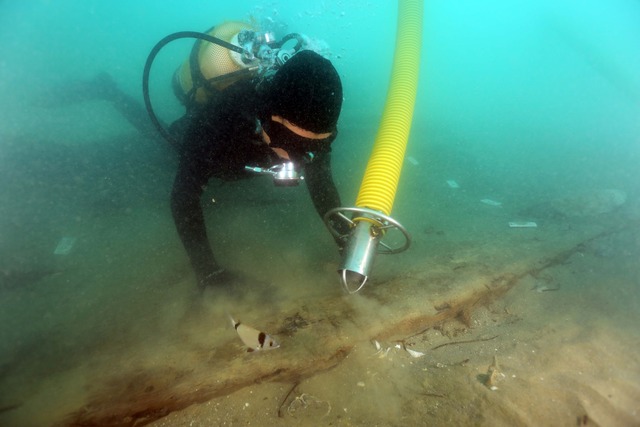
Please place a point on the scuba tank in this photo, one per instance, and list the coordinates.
(220, 57)
(210, 61)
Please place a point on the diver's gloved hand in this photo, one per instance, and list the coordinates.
(344, 230)
(218, 278)
(229, 281)
(341, 243)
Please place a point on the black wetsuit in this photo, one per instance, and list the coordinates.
(219, 140)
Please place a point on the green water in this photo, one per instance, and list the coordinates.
(527, 104)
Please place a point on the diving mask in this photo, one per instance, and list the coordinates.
(300, 149)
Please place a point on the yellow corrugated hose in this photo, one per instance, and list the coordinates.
(381, 177)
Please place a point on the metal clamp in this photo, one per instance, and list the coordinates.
(381, 223)
(362, 242)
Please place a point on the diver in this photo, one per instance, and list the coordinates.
(280, 116)
(294, 118)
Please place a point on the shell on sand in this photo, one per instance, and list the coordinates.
(493, 375)
(590, 203)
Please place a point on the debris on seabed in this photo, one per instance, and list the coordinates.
(305, 401)
(414, 353)
(491, 202)
(493, 375)
(383, 352)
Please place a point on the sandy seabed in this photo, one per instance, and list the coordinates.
(512, 326)
(565, 343)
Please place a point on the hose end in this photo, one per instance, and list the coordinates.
(358, 256)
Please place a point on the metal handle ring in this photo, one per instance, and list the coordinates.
(381, 222)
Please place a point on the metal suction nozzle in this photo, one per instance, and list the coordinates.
(366, 231)
(352, 280)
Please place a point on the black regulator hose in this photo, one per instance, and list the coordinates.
(296, 48)
(152, 56)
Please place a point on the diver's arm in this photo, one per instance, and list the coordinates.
(187, 213)
(323, 191)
